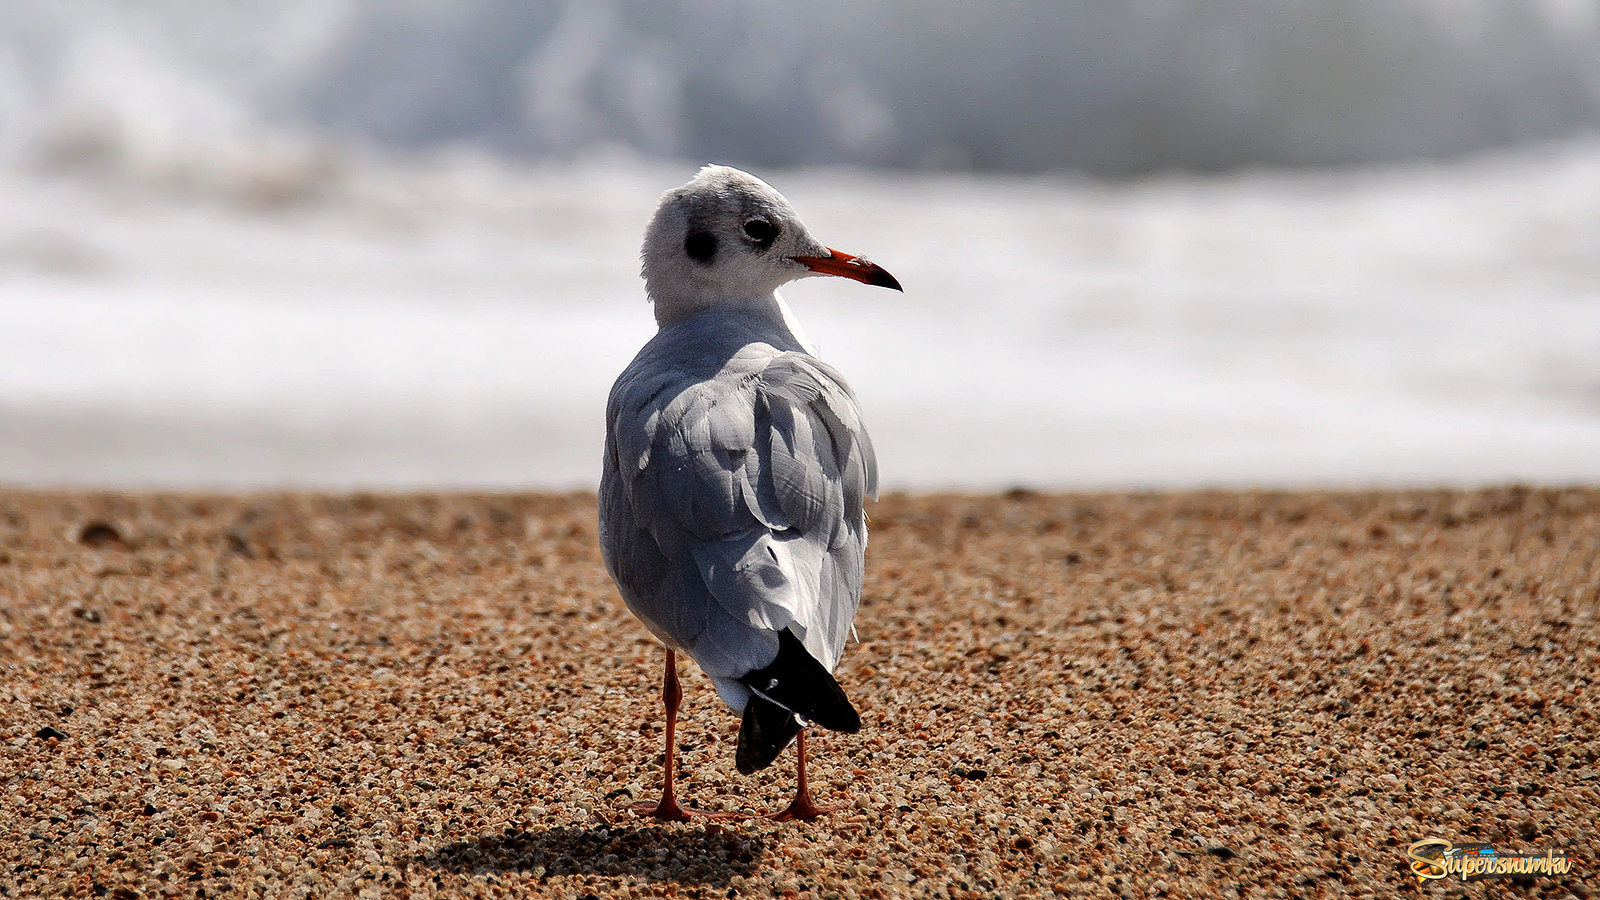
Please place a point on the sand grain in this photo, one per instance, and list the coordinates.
(1185, 695)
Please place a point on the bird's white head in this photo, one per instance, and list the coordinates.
(727, 238)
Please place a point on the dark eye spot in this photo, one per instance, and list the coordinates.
(762, 232)
(700, 245)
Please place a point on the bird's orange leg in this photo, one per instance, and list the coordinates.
(669, 810)
(803, 807)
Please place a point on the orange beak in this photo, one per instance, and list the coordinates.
(845, 265)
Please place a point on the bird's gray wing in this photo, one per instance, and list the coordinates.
(731, 507)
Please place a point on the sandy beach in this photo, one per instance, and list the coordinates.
(1144, 695)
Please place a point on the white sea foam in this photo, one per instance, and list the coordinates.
(394, 242)
(458, 322)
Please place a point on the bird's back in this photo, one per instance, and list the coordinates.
(731, 496)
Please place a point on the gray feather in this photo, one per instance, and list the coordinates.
(731, 498)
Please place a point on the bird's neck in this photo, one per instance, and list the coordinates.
(770, 307)
(792, 324)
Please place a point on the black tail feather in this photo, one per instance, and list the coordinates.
(798, 683)
(767, 729)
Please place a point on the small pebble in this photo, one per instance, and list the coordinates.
(99, 533)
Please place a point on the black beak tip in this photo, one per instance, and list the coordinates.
(883, 279)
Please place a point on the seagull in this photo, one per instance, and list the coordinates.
(735, 469)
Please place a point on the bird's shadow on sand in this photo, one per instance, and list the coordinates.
(705, 855)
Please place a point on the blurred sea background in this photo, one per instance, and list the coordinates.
(394, 243)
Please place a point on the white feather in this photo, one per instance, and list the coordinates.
(736, 461)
